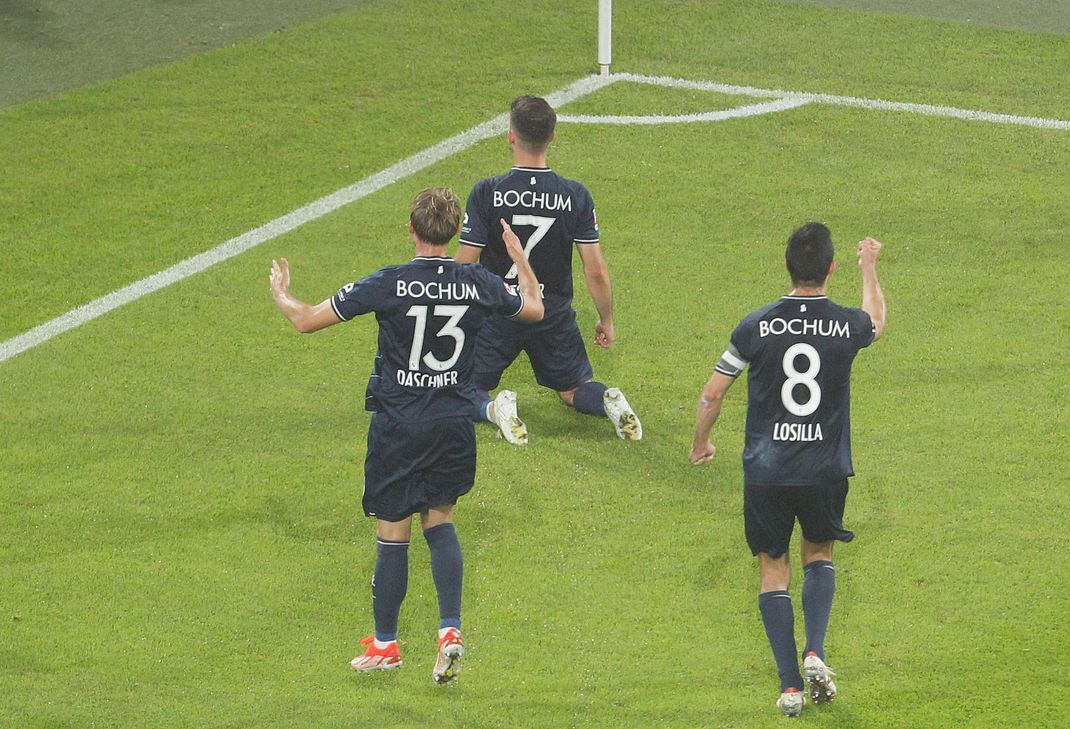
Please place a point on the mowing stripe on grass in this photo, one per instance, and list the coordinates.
(317, 209)
(783, 100)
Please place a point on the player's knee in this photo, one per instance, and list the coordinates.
(815, 551)
(774, 572)
(568, 397)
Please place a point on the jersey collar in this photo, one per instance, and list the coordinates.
(533, 169)
(789, 297)
(433, 258)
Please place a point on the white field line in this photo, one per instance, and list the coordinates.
(768, 107)
(317, 209)
(438, 152)
(924, 109)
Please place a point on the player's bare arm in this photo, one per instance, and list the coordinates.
(306, 318)
(596, 273)
(709, 409)
(526, 281)
(872, 296)
(467, 253)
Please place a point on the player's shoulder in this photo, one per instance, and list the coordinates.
(757, 315)
(853, 314)
(576, 187)
(491, 183)
(846, 310)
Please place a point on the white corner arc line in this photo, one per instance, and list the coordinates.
(284, 224)
(877, 104)
(768, 107)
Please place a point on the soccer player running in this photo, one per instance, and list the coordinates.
(549, 214)
(421, 441)
(797, 457)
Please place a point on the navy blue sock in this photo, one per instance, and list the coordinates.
(482, 402)
(779, 620)
(389, 585)
(819, 587)
(447, 568)
(588, 399)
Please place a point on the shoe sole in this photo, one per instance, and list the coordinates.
(518, 432)
(820, 692)
(449, 672)
(628, 427)
(380, 667)
(627, 423)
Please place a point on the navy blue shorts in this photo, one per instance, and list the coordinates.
(411, 467)
(554, 346)
(769, 514)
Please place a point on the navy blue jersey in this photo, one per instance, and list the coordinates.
(548, 214)
(429, 312)
(800, 351)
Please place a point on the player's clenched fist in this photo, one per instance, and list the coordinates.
(703, 453)
(868, 250)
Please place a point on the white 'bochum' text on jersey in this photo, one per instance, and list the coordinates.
(429, 312)
(800, 351)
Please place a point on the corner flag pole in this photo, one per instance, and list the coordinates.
(605, 35)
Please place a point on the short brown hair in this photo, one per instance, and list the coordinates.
(532, 119)
(436, 215)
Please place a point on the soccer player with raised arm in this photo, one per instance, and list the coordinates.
(797, 456)
(421, 442)
(549, 214)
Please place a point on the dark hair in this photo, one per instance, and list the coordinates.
(435, 215)
(809, 255)
(533, 121)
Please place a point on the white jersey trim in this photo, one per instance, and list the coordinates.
(336, 312)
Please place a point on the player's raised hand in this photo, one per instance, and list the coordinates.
(703, 454)
(604, 334)
(512, 243)
(868, 250)
(280, 277)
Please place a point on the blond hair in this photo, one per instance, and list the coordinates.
(436, 215)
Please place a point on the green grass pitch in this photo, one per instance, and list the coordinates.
(181, 542)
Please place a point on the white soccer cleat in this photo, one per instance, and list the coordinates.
(620, 412)
(450, 653)
(818, 675)
(510, 426)
(791, 702)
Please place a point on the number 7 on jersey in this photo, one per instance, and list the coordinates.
(542, 227)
